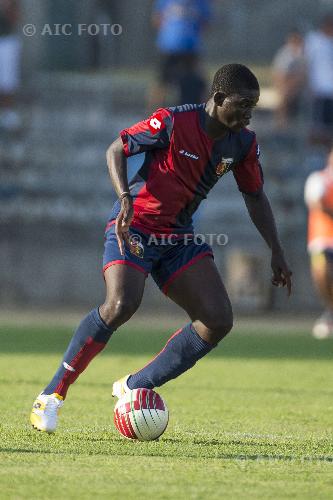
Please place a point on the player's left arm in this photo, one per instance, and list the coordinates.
(249, 177)
(262, 216)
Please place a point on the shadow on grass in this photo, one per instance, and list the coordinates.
(131, 341)
(180, 453)
(23, 450)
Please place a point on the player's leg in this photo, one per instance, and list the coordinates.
(201, 293)
(322, 274)
(199, 290)
(124, 278)
(321, 268)
(124, 290)
(125, 286)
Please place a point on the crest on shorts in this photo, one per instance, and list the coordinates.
(136, 248)
(224, 166)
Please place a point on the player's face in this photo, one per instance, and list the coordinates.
(235, 112)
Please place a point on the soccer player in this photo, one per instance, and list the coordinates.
(319, 199)
(188, 148)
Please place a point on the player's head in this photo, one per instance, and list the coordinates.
(295, 38)
(235, 91)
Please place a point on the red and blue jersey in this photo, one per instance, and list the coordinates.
(182, 164)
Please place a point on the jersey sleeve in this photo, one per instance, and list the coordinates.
(152, 133)
(248, 173)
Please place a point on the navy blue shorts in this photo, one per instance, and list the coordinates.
(165, 258)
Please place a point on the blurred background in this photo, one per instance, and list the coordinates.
(74, 73)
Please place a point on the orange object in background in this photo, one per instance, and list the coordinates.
(319, 198)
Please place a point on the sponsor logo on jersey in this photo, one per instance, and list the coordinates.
(137, 248)
(188, 155)
(224, 166)
(155, 123)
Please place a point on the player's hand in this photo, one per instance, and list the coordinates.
(123, 222)
(281, 273)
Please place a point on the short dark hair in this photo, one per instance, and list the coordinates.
(233, 78)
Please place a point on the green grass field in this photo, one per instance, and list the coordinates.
(252, 420)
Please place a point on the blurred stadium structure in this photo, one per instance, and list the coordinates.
(55, 194)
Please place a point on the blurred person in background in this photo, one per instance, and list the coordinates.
(319, 58)
(179, 25)
(101, 13)
(10, 49)
(319, 199)
(289, 75)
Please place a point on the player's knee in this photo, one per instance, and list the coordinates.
(117, 312)
(219, 323)
(220, 329)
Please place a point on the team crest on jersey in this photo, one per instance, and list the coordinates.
(224, 166)
(136, 248)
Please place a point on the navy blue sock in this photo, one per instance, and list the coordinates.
(181, 352)
(89, 339)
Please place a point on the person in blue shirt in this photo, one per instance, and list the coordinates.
(179, 25)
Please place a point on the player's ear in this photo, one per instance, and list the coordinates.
(219, 98)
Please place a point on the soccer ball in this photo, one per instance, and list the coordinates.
(141, 414)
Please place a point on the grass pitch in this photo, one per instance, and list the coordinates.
(252, 420)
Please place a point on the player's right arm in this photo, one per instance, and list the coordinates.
(152, 133)
(117, 165)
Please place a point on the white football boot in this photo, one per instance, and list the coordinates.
(45, 410)
(120, 387)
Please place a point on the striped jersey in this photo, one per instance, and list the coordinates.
(181, 165)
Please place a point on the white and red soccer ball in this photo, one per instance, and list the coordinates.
(141, 414)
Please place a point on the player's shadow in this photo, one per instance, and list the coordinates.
(131, 342)
(25, 450)
(242, 457)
